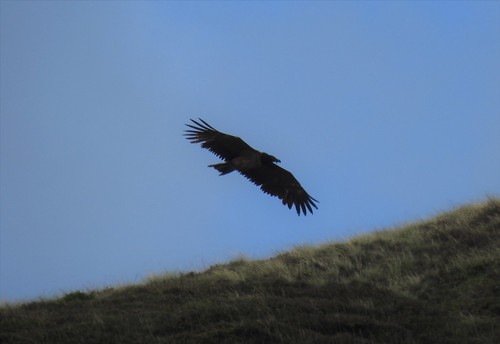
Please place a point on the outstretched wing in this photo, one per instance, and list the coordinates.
(277, 181)
(223, 145)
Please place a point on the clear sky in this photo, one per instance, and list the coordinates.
(386, 112)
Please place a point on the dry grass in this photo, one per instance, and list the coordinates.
(436, 281)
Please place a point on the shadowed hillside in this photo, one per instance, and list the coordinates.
(436, 281)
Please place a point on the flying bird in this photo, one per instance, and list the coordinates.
(259, 167)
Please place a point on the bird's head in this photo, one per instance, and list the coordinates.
(267, 158)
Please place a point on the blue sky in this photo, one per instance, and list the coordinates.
(386, 112)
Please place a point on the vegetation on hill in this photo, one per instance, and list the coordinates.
(436, 281)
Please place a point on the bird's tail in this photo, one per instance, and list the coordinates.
(223, 168)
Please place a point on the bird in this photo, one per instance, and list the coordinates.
(258, 167)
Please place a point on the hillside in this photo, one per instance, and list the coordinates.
(436, 281)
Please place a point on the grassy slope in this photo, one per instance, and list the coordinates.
(437, 281)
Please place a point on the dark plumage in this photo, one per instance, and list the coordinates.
(258, 167)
